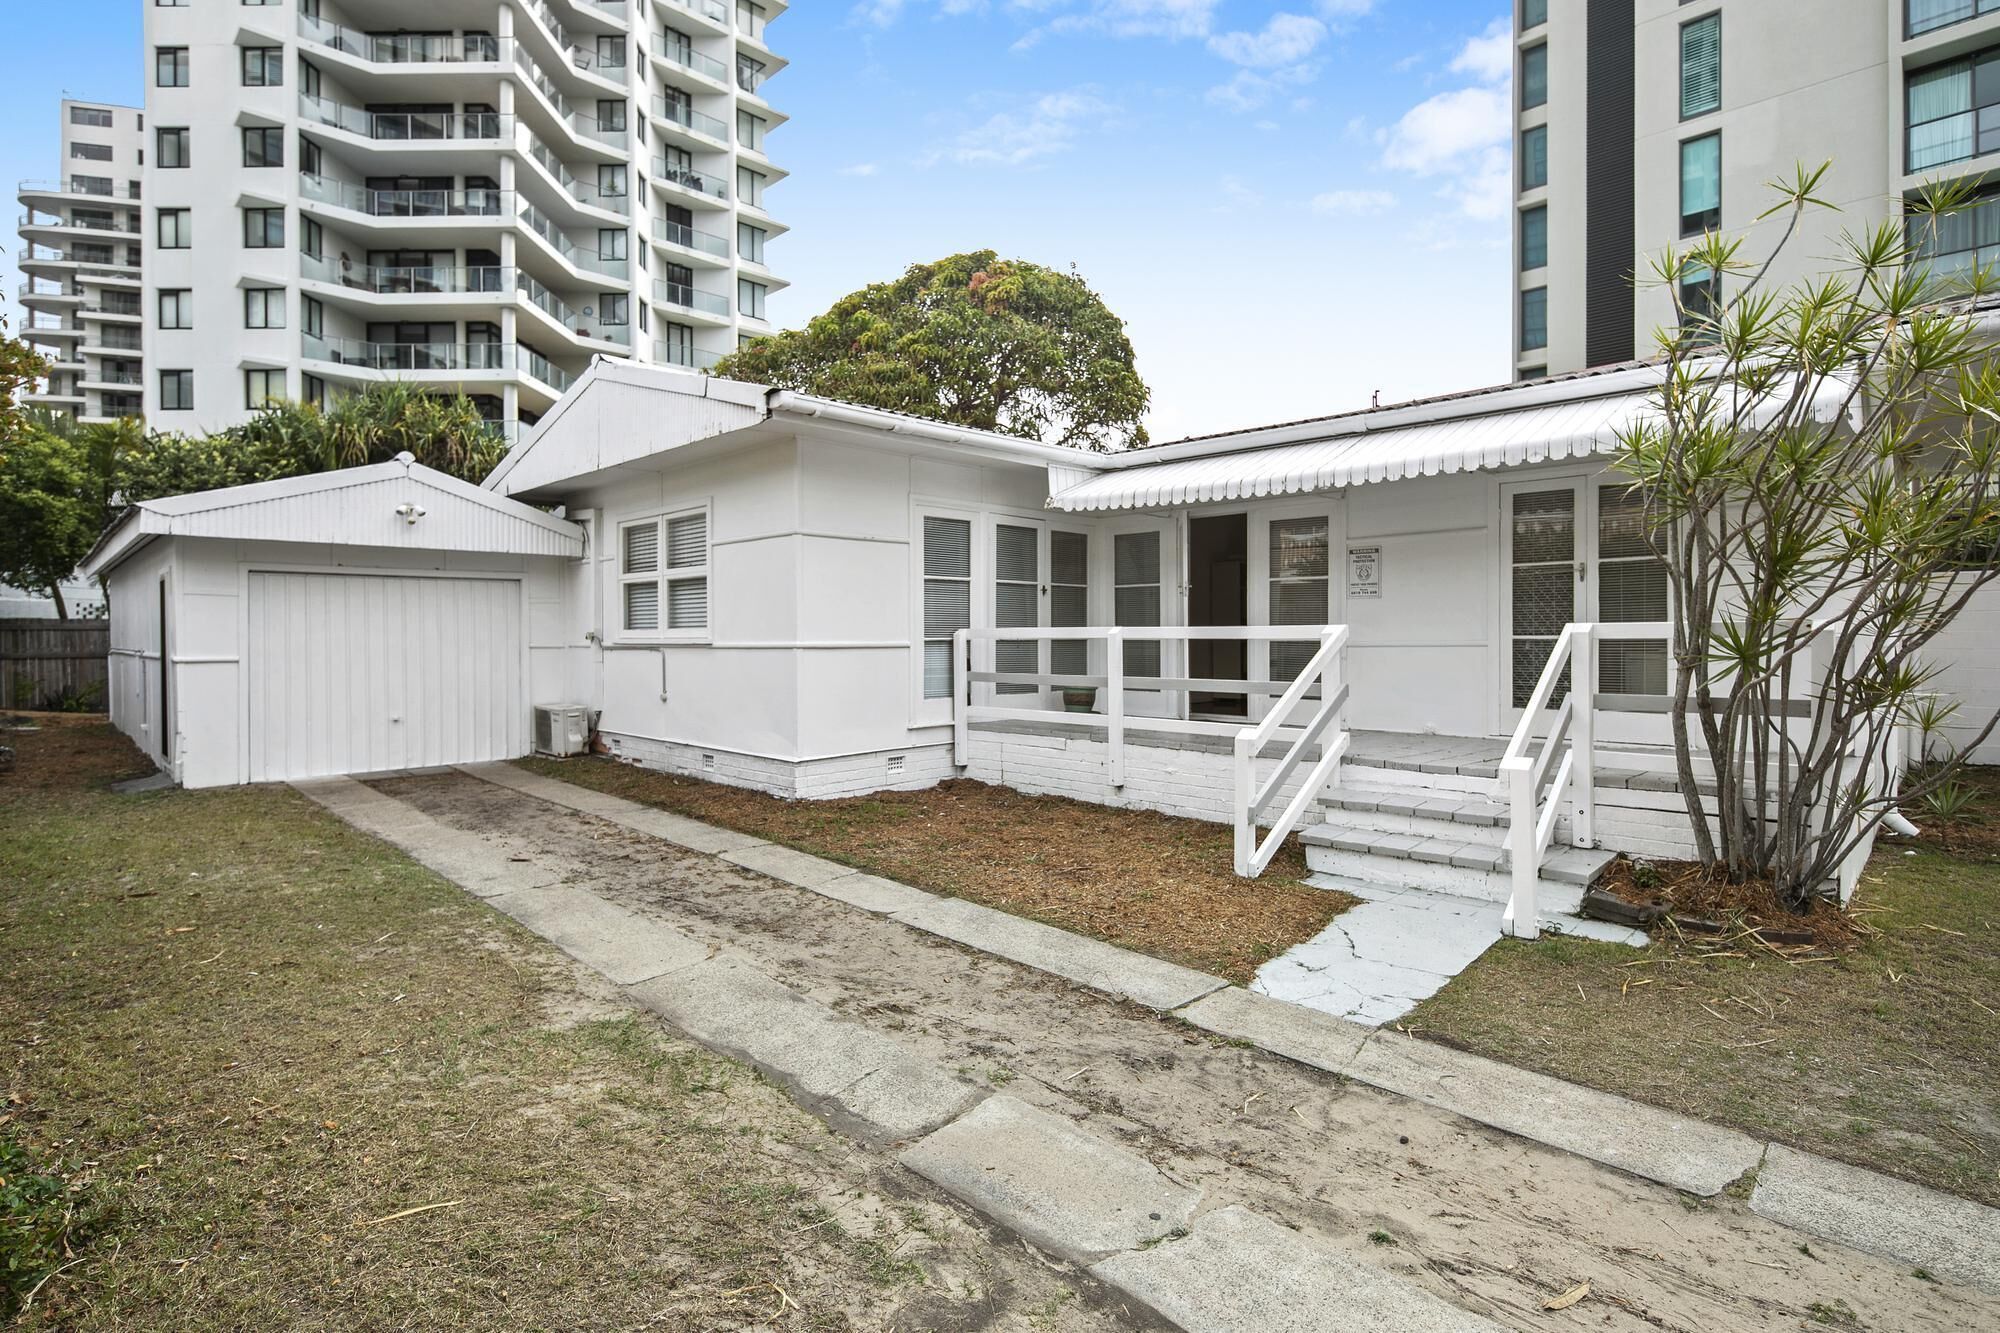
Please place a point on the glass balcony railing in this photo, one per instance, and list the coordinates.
(91, 185)
(541, 368)
(83, 222)
(477, 357)
(406, 125)
(676, 354)
(35, 287)
(688, 178)
(404, 203)
(113, 377)
(687, 298)
(597, 196)
(112, 304)
(543, 226)
(412, 280)
(673, 233)
(404, 48)
(712, 10)
(750, 74)
(116, 339)
(680, 113)
(677, 53)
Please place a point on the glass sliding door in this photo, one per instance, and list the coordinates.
(1544, 569)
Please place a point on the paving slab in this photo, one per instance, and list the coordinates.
(1673, 1149)
(1088, 962)
(1952, 1239)
(1239, 1272)
(788, 864)
(1293, 1031)
(867, 1084)
(1069, 1191)
(872, 893)
(620, 944)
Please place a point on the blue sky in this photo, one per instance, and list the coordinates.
(1292, 205)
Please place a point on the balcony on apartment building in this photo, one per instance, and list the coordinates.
(705, 307)
(448, 361)
(68, 187)
(703, 249)
(79, 222)
(487, 131)
(679, 120)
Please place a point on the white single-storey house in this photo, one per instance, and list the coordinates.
(1356, 625)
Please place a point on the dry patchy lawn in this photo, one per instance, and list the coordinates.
(1150, 882)
(1887, 1056)
(249, 1034)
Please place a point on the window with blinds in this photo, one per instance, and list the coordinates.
(663, 575)
(1069, 600)
(1300, 576)
(1701, 184)
(1017, 592)
(947, 597)
(1136, 596)
(1701, 66)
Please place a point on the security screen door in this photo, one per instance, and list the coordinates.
(1020, 601)
(1574, 549)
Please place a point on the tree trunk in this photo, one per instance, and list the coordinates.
(55, 591)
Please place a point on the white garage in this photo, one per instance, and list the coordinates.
(361, 621)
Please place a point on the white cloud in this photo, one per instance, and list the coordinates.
(860, 169)
(1123, 18)
(1353, 203)
(1285, 40)
(1440, 131)
(1248, 90)
(1488, 57)
(1344, 9)
(884, 13)
(1464, 137)
(1047, 124)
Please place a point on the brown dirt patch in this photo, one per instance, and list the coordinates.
(67, 752)
(1974, 831)
(1689, 891)
(1151, 882)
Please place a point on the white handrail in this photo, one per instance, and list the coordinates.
(1531, 822)
(1320, 681)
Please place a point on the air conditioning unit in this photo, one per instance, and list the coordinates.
(562, 730)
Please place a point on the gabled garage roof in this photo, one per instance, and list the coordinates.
(400, 504)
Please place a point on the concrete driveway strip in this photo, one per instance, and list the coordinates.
(1297, 1033)
(620, 944)
(1036, 1173)
(662, 824)
(1686, 1154)
(869, 1085)
(1088, 962)
(1238, 1272)
(1948, 1237)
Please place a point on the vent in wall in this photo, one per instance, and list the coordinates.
(895, 764)
(708, 763)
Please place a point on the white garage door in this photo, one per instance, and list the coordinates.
(353, 673)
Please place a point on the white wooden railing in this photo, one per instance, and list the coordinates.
(1320, 686)
(1569, 748)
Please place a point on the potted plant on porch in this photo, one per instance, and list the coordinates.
(1079, 698)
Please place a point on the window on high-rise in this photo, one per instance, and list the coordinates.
(1701, 184)
(177, 390)
(1535, 157)
(1534, 13)
(1954, 110)
(1535, 238)
(94, 116)
(171, 148)
(1534, 76)
(750, 242)
(263, 146)
(1701, 66)
(263, 66)
(263, 388)
(1928, 15)
(1700, 302)
(170, 66)
(176, 308)
(750, 298)
(263, 228)
(1534, 318)
(176, 229)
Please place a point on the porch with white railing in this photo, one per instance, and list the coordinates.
(1281, 758)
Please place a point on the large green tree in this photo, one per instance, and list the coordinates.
(48, 514)
(975, 340)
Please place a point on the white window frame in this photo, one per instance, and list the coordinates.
(938, 712)
(665, 576)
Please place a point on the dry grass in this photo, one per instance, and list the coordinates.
(1886, 1054)
(250, 1032)
(1150, 882)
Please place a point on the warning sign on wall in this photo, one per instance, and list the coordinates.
(1364, 571)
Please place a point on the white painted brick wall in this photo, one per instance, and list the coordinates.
(1196, 784)
(813, 779)
(1969, 652)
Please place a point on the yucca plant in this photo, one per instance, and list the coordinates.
(1822, 484)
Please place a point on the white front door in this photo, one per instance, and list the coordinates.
(1574, 549)
(358, 673)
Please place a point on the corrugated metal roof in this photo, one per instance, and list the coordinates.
(1357, 456)
(349, 507)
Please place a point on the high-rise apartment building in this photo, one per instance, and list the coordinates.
(1641, 123)
(481, 202)
(80, 264)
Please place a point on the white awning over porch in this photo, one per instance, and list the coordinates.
(1359, 453)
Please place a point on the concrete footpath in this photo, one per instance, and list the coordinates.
(1091, 1200)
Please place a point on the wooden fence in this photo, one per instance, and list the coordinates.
(54, 664)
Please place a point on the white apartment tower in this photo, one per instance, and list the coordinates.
(1641, 123)
(482, 202)
(80, 263)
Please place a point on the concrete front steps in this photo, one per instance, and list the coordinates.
(1446, 833)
